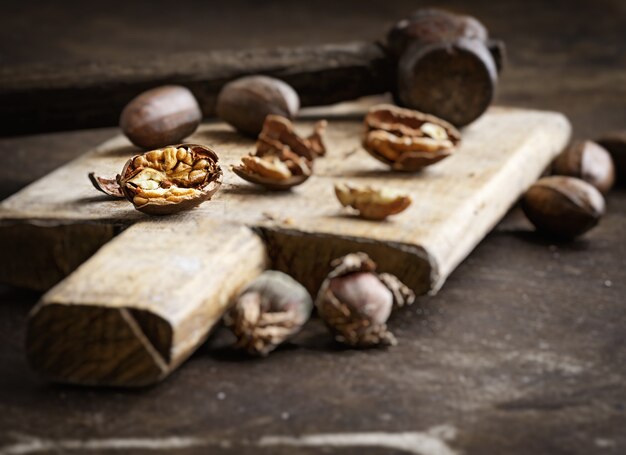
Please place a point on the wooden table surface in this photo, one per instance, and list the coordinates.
(522, 351)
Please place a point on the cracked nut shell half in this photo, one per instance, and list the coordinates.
(171, 179)
(408, 140)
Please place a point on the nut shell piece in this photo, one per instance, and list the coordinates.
(372, 203)
(171, 179)
(161, 116)
(282, 159)
(270, 310)
(589, 162)
(245, 103)
(110, 187)
(563, 206)
(355, 302)
(408, 140)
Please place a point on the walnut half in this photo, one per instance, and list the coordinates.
(408, 140)
(282, 159)
(171, 179)
(372, 203)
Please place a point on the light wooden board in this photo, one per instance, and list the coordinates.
(456, 202)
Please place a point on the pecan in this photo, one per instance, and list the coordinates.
(171, 179)
(372, 203)
(408, 140)
(282, 158)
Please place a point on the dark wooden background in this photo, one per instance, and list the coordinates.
(523, 351)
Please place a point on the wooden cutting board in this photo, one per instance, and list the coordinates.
(148, 297)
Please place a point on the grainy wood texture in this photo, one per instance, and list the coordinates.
(134, 301)
(36, 99)
(456, 202)
(520, 352)
(142, 305)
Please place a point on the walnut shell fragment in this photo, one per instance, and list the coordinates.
(268, 311)
(355, 302)
(110, 187)
(171, 179)
(282, 159)
(408, 140)
(372, 203)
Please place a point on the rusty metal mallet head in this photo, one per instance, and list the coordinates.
(447, 65)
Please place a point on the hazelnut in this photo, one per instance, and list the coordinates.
(615, 143)
(563, 206)
(268, 311)
(355, 302)
(589, 162)
(171, 179)
(244, 103)
(161, 116)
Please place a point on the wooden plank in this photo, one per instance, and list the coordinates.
(138, 308)
(36, 98)
(136, 301)
(456, 201)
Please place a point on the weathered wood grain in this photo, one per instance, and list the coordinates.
(150, 296)
(456, 202)
(138, 308)
(36, 99)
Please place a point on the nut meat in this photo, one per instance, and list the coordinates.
(282, 158)
(171, 179)
(408, 140)
(355, 302)
(372, 203)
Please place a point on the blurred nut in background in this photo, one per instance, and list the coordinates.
(244, 103)
(589, 162)
(564, 207)
(161, 116)
(615, 143)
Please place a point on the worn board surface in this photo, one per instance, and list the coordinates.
(150, 296)
(527, 355)
(456, 202)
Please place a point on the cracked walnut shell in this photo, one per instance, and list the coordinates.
(372, 203)
(282, 159)
(171, 179)
(408, 140)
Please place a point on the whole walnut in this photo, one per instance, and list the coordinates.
(244, 103)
